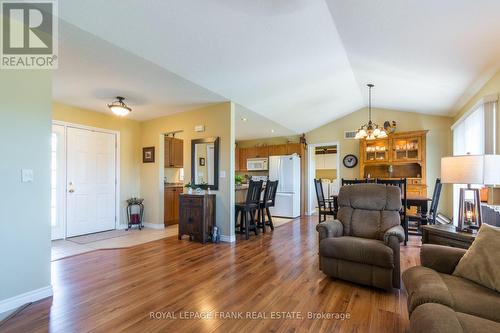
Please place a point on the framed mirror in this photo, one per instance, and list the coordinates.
(205, 163)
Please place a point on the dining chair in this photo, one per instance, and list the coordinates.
(326, 206)
(249, 208)
(268, 201)
(401, 183)
(433, 209)
(353, 181)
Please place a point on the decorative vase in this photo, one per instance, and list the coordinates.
(190, 190)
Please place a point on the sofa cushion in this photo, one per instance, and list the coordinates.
(437, 318)
(360, 250)
(425, 285)
(481, 262)
(472, 298)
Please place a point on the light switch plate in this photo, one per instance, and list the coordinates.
(27, 175)
(222, 174)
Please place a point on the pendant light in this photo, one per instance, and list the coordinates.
(119, 107)
(370, 131)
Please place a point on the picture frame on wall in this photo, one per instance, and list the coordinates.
(202, 161)
(148, 155)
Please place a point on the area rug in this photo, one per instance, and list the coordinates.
(86, 239)
(279, 221)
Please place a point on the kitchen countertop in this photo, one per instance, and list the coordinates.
(173, 185)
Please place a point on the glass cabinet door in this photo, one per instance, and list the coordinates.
(406, 149)
(376, 151)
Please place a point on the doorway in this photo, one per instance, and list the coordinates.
(85, 180)
(324, 163)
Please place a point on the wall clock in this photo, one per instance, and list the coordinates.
(350, 161)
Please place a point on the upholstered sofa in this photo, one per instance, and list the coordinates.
(439, 302)
(362, 245)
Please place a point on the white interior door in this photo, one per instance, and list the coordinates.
(58, 182)
(91, 175)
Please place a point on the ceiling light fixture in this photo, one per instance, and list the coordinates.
(244, 119)
(370, 131)
(119, 108)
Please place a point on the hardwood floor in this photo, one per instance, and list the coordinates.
(117, 290)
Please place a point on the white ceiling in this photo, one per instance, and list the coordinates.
(93, 72)
(422, 55)
(251, 125)
(296, 63)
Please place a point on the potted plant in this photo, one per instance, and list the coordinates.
(190, 187)
(238, 179)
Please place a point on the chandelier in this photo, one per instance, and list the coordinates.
(119, 107)
(370, 131)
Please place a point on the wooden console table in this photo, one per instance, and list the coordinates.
(446, 235)
(197, 216)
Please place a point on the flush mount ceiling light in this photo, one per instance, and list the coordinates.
(370, 131)
(119, 108)
(244, 120)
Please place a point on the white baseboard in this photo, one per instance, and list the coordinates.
(154, 226)
(19, 300)
(121, 227)
(228, 239)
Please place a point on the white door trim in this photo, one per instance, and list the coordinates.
(311, 149)
(117, 163)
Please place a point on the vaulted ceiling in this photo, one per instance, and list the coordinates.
(297, 63)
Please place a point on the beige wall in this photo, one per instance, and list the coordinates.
(130, 151)
(25, 130)
(491, 87)
(218, 120)
(439, 141)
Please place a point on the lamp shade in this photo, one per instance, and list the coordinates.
(471, 169)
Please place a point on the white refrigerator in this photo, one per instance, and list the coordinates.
(286, 170)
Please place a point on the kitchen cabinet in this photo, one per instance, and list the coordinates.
(251, 152)
(326, 161)
(293, 148)
(171, 205)
(243, 159)
(277, 150)
(237, 159)
(262, 152)
(174, 153)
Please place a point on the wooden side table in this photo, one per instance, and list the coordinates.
(446, 235)
(197, 216)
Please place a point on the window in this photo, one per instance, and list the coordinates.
(474, 134)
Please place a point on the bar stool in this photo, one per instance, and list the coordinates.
(267, 201)
(249, 208)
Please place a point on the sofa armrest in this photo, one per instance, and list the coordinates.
(329, 229)
(396, 231)
(440, 258)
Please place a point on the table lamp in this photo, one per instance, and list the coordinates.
(470, 170)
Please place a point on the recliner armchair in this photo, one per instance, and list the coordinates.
(362, 245)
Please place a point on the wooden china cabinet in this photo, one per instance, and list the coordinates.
(400, 155)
